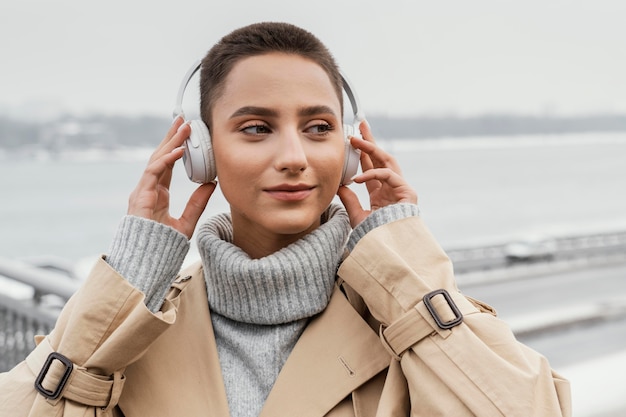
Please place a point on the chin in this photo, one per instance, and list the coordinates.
(295, 223)
(295, 228)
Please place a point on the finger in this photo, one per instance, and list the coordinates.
(390, 187)
(378, 157)
(195, 206)
(366, 161)
(176, 123)
(366, 131)
(175, 137)
(161, 162)
(349, 199)
(383, 175)
(159, 171)
(175, 154)
(366, 135)
(351, 202)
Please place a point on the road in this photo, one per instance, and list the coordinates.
(543, 298)
(577, 319)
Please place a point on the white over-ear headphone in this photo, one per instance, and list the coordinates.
(198, 155)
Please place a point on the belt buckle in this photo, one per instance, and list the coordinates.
(458, 317)
(56, 393)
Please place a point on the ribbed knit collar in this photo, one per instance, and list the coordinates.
(293, 283)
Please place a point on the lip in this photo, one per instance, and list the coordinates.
(290, 192)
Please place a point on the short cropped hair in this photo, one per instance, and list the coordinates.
(259, 39)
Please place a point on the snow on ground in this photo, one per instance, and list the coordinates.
(598, 386)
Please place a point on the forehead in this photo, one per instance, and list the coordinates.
(278, 78)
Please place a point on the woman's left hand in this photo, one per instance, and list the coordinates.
(382, 176)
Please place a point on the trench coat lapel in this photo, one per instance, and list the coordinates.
(181, 373)
(337, 353)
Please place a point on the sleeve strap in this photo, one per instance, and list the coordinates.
(59, 378)
(438, 313)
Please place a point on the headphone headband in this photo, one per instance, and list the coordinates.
(347, 87)
(178, 109)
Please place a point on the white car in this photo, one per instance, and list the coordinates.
(530, 250)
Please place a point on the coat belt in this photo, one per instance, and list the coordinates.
(438, 312)
(67, 380)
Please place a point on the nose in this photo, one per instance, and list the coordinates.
(290, 153)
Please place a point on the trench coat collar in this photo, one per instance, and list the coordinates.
(337, 353)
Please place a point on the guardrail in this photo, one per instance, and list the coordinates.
(38, 295)
(568, 248)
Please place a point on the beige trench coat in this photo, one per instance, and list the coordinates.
(129, 362)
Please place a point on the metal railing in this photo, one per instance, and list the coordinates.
(33, 312)
(19, 324)
(573, 249)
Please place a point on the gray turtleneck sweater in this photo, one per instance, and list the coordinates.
(259, 307)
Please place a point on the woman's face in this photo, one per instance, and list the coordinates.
(278, 141)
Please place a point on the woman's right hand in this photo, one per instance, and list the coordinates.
(151, 198)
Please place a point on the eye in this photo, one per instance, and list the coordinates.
(255, 129)
(319, 128)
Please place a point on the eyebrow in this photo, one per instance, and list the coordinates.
(313, 110)
(254, 110)
(267, 112)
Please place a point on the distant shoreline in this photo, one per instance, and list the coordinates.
(95, 152)
(494, 125)
(107, 132)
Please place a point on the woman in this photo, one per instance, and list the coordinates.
(284, 332)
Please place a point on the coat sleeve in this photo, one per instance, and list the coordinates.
(102, 329)
(457, 357)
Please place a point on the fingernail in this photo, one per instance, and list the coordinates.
(181, 126)
(177, 149)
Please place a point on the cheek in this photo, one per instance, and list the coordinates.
(235, 172)
(231, 159)
(227, 164)
(330, 167)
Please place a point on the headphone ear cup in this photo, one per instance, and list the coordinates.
(198, 154)
(352, 157)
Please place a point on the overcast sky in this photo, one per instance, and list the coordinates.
(404, 56)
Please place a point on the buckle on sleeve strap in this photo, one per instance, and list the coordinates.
(430, 303)
(62, 369)
(414, 326)
(59, 378)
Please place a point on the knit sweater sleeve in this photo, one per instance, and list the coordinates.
(149, 255)
(380, 217)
